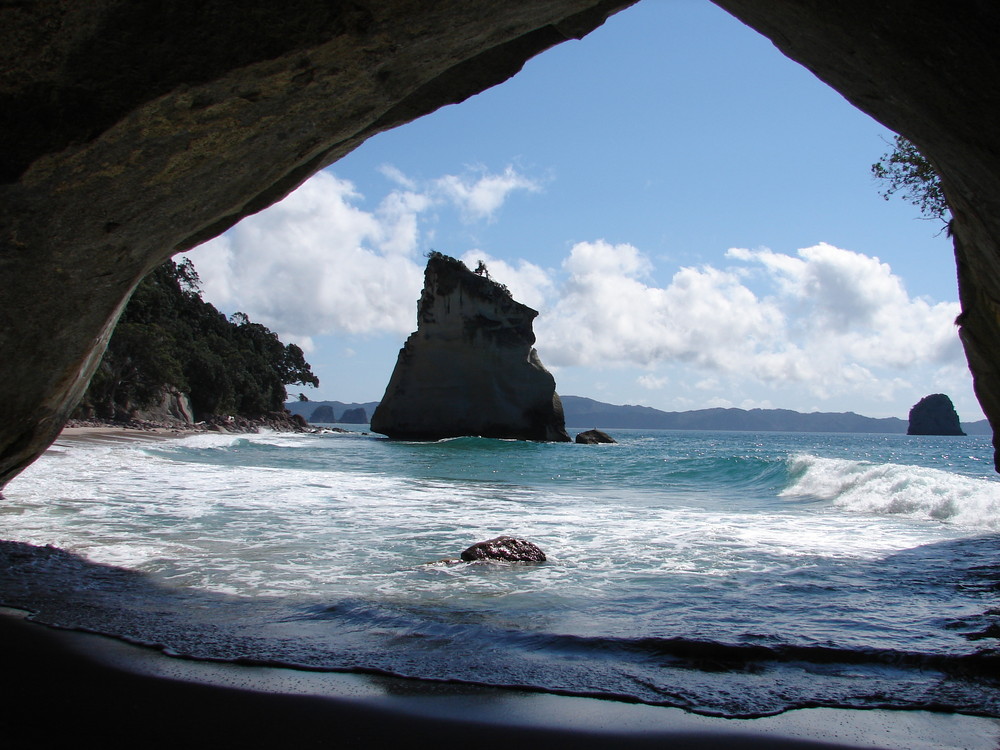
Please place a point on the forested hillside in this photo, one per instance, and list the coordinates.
(169, 338)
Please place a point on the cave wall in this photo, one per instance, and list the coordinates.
(134, 131)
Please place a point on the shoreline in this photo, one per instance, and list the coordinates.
(99, 686)
(103, 687)
(117, 434)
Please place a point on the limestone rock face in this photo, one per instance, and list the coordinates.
(470, 368)
(934, 415)
(174, 406)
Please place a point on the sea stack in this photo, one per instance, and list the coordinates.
(470, 368)
(934, 415)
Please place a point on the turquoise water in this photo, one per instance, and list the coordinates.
(735, 574)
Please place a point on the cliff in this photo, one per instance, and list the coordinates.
(470, 367)
(934, 415)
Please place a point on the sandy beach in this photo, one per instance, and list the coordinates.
(101, 688)
(120, 434)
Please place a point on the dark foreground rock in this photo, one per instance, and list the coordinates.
(470, 368)
(934, 415)
(504, 549)
(593, 437)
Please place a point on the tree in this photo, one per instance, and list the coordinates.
(169, 338)
(904, 170)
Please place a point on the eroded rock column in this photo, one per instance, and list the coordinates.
(470, 368)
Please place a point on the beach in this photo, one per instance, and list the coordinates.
(115, 690)
(93, 687)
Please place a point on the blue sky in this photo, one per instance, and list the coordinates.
(691, 212)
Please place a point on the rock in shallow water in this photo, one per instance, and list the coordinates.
(592, 437)
(934, 415)
(504, 549)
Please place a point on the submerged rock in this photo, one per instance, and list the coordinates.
(593, 437)
(470, 368)
(934, 415)
(504, 549)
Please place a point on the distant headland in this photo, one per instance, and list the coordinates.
(583, 412)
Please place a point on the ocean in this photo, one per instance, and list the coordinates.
(729, 574)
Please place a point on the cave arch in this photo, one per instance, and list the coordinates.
(131, 137)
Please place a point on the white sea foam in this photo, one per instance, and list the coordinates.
(260, 530)
(893, 489)
(321, 546)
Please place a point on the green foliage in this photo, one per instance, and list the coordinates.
(169, 337)
(905, 170)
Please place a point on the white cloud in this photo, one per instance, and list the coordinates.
(719, 403)
(395, 174)
(317, 263)
(653, 382)
(833, 320)
(481, 196)
(824, 321)
(749, 403)
(606, 313)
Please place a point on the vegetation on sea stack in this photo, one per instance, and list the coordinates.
(169, 338)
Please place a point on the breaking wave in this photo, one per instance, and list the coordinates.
(897, 490)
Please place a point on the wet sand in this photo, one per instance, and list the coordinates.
(90, 686)
(120, 434)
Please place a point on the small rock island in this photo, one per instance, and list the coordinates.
(934, 415)
(470, 368)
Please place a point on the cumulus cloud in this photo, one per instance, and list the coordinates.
(318, 263)
(480, 196)
(652, 382)
(855, 302)
(833, 319)
(607, 312)
(824, 319)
